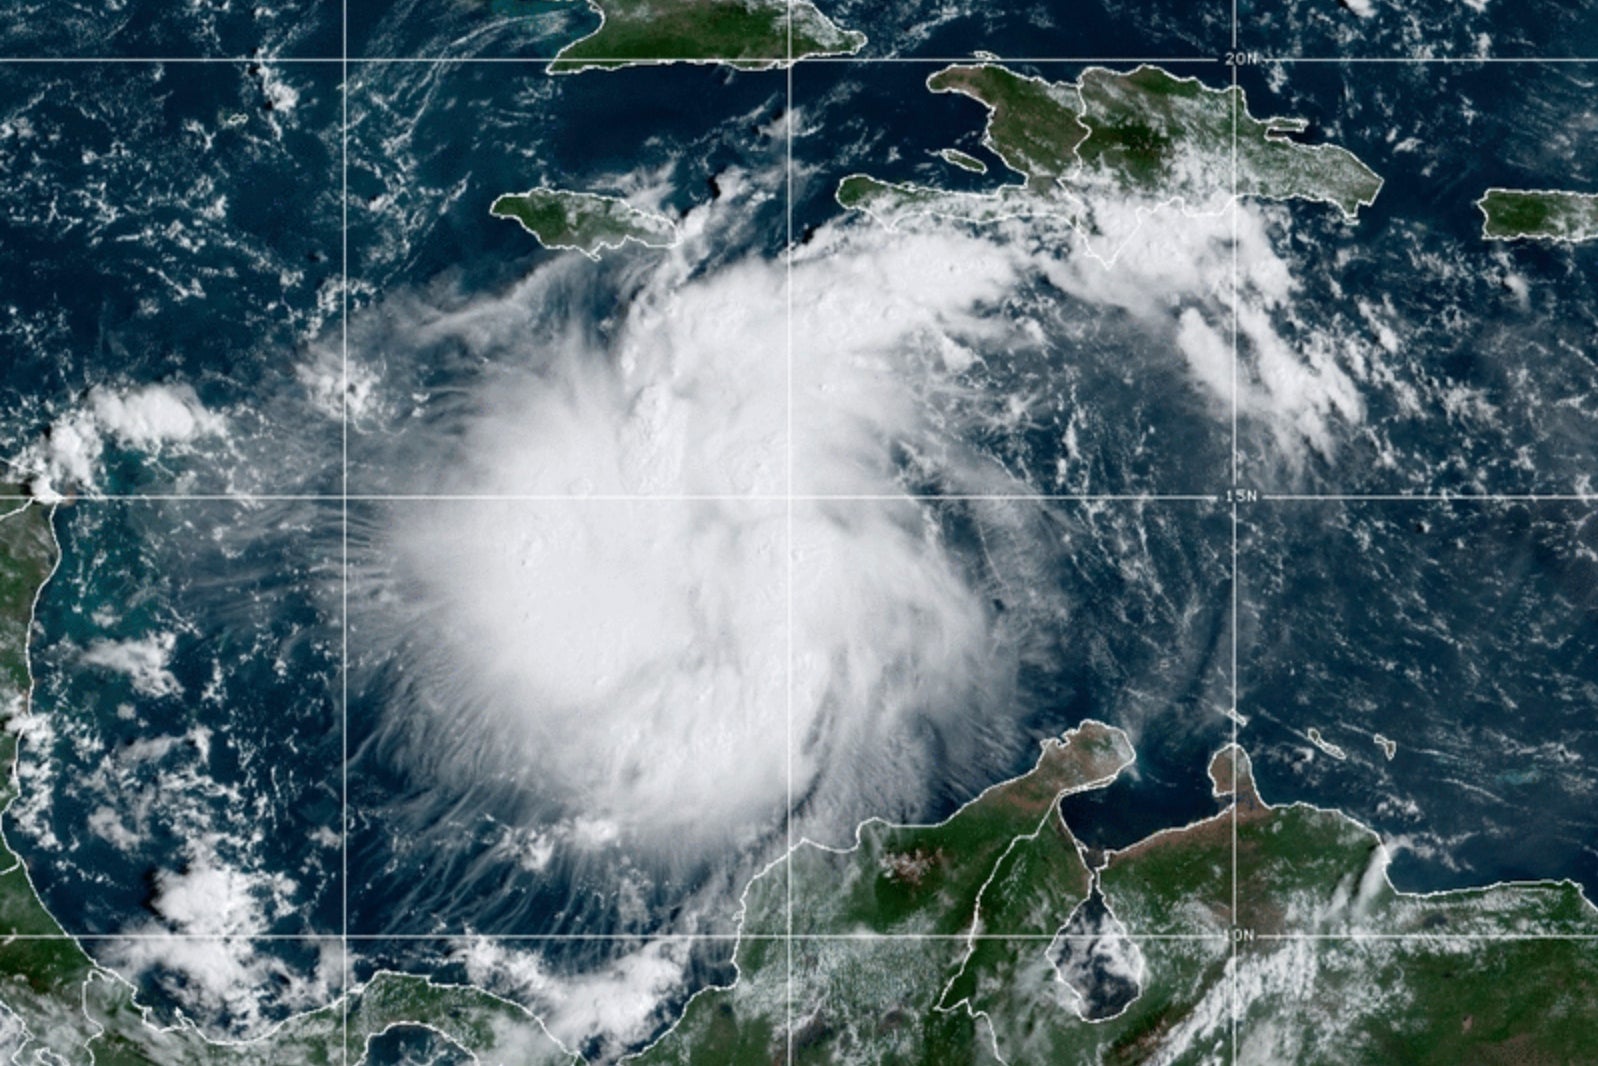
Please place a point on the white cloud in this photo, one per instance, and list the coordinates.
(153, 415)
(144, 661)
(530, 847)
(1298, 383)
(223, 983)
(618, 1004)
(631, 655)
(572, 645)
(284, 97)
(152, 419)
(74, 451)
(107, 824)
(212, 966)
(209, 897)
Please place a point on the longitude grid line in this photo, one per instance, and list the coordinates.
(344, 496)
(344, 532)
(788, 251)
(1236, 296)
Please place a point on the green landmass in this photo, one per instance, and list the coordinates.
(891, 202)
(40, 970)
(882, 926)
(1538, 214)
(858, 190)
(1174, 136)
(1033, 125)
(73, 1013)
(941, 944)
(1305, 870)
(749, 34)
(114, 1030)
(27, 554)
(962, 160)
(1084, 148)
(582, 221)
(934, 944)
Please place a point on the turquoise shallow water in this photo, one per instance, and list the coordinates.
(1463, 632)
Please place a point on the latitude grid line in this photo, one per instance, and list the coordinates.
(779, 61)
(345, 937)
(248, 499)
(244, 499)
(638, 938)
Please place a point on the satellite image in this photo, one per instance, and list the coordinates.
(749, 532)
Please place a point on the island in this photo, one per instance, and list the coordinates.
(582, 221)
(955, 157)
(1088, 149)
(1539, 214)
(747, 34)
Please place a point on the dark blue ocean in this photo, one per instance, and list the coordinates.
(183, 224)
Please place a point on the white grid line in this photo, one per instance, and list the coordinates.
(762, 497)
(1430, 60)
(345, 961)
(1352, 936)
(802, 497)
(345, 497)
(1236, 787)
(1442, 497)
(788, 252)
(777, 61)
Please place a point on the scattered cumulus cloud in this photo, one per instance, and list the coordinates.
(617, 1005)
(212, 966)
(152, 419)
(144, 661)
